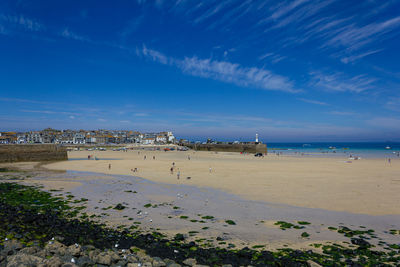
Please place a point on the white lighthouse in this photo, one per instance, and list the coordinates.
(256, 137)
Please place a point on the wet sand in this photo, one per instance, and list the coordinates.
(366, 186)
(203, 212)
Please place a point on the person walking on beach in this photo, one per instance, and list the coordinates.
(154, 157)
(144, 157)
(389, 160)
(188, 157)
(109, 166)
(172, 170)
(210, 169)
(178, 174)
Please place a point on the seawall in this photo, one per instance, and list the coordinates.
(249, 148)
(33, 152)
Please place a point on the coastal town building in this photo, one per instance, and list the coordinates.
(81, 137)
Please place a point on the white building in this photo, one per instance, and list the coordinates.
(171, 137)
(148, 141)
(34, 137)
(161, 139)
(79, 138)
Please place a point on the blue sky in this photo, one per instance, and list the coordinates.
(290, 70)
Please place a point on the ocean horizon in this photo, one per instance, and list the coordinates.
(337, 149)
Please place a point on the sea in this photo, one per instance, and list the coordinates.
(337, 149)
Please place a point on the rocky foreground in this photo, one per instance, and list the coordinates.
(39, 229)
(55, 254)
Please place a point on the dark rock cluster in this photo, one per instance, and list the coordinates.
(56, 254)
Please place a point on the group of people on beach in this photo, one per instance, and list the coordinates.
(172, 169)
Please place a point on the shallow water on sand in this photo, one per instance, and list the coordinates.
(254, 219)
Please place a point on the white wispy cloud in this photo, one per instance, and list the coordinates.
(341, 83)
(66, 33)
(354, 37)
(315, 102)
(211, 11)
(272, 57)
(235, 73)
(153, 54)
(351, 59)
(284, 8)
(20, 21)
(301, 14)
(224, 71)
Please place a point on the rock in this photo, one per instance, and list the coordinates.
(157, 262)
(131, 259)
(199, 265)
(55, 247)
(53, 262)
(12, 245)
(93, 254)
(84, 261)
(190, 262)
(313, 264)
(120, 263)
(147, 264)
(134, 265)
(74, 250)
(227, 265)
(141, 254)
(43, 253)
(103, 258)
(29, 250)
(173, 265)
(114, 256)
(69, 265)
(21, 260)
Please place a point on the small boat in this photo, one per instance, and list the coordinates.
(388, 147)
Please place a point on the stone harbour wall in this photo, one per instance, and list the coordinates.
(32, 152)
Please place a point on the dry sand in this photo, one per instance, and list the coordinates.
(368, 186)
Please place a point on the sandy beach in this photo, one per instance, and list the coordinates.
(366, 186)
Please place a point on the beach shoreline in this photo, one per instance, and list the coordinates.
(367, 186)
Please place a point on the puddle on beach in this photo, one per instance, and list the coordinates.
(204, 212)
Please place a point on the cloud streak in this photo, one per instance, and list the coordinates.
(354, 37)
(225, 71)
(338, 82)
(20, 22)
(315, 102)
(351, 59)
